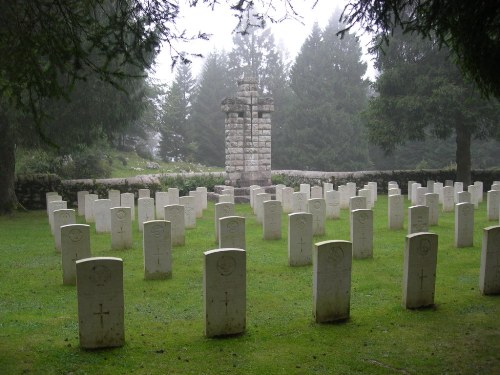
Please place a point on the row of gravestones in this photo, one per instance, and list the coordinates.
(230, 230)
(100, 286)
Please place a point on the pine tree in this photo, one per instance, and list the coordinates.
(207, 120)
(174, 123)
(330, 92)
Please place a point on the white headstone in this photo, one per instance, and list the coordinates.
(458, 187)
(252, 194)
(226, 198)
(114, 197)
(430, 186)
(102, 215)
(448, 183)
(279, 192)
(420, 196)
(356, 203)
(204, 196)
(495, 187)
(418, 219)
(161, 200)
(175, 214)
(374, 189)
(255, 192)
(232, 232)
(464, 197)
(448, 199)
(89, 207)
(271, 220)
(121, 228)
(127, 200)
(332, 263)
(474, 199)
(396, 211)
(227, 191)
(492, 204)
(438, 189)
(489, 279)
(198, 195)
(51, 196)
(75, 245)
(419, 271)
(351, 189)
(173, 196)
(145, 211)
(344, 197)
(258, 206)
(464, 224)
(317, 207)
(368, 195)
(53, 206)
(286, 200)
(224, 291)
(157, 249)
(62, 217)
(332, 200)
(392, 185)
(300, 239)
(394, 191)
(327, 186)
(414, 187)
(362, 233)
(432, 201)
(81, 201)
(316, 192)
(221, 210)
(305, 188)
(100, 302)
(144, 193)
(409, 187)
(480, 190)
(299, 202)
(189, 204)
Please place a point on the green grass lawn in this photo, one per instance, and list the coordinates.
(164, 324)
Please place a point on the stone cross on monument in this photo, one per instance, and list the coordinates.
(248, 136)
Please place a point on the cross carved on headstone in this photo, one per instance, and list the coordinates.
(101, 314)
(422, 277)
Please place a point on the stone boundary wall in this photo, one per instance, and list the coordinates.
(31, 189)
(294, 178)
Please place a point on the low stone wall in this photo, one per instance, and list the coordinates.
(294, 178)
(31, 189)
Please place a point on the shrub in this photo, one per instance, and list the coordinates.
(143, 151)
(87, 162)
(187, 183)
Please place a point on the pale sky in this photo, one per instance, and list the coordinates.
(220, 22)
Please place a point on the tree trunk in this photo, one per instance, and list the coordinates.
(8, 200)
(463, 157)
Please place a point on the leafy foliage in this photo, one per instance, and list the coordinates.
(469, 28)
(422, 94)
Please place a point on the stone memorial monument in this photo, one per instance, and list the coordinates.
(248, 136)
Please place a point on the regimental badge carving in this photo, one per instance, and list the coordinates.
(226, 265)
(75, 234)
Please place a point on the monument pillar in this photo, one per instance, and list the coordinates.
(248, 136)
